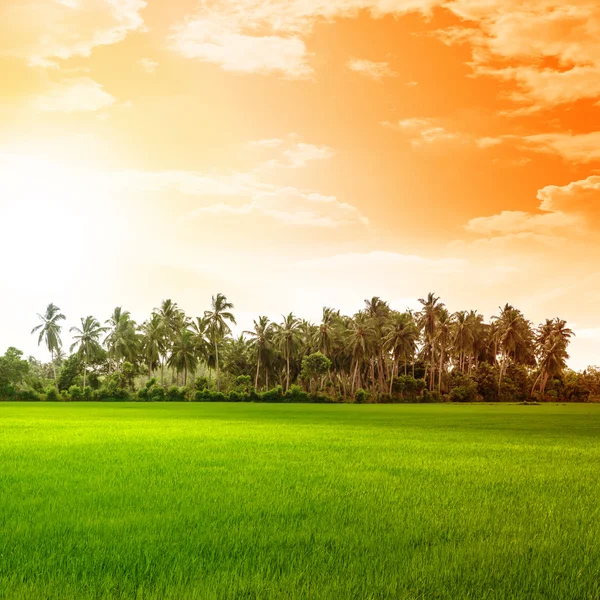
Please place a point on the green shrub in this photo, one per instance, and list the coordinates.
(296, 394)
(51, 395)
(361, 396)
(76, 393)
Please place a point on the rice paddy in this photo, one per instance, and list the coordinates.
(256, 501)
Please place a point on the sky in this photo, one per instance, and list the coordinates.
(295, 154)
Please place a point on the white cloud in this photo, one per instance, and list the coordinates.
(422, 131)
(372, 69)
(75, 95)
(253, 36)
(46, 31)
(562, 208)
(293, 207)
(583, 147)
(520, 36)
(222, 43)
(149, 65)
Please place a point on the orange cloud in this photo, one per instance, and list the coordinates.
(75, 95)
(372, 69)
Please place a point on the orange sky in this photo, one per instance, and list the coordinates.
(300, 153)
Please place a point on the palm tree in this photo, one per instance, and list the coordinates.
(286, 337)
(361, 334)
(183, 356)
(262, 344)
(153, 343)
(552, 340)
(49, 331)
(428, 320)
(121, 341)
(400, 338)
(442, 338)
(217, 324)
(513, 339)
(87, 341)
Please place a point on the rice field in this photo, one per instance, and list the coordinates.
(255, 501)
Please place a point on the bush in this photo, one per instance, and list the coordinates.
(361, 396)
(76, 393)
(51, 395)
(464, 393)
(296, 394)
(202, 383)
(274, 395)
(174, 394)
(28, 396)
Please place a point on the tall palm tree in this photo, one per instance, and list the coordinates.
(442, 338)
(514, 339)
(361, 333)
(183, 355)
(400, 338)
(286, 337)
(121, 341)
(153, 343)
(218, 320)
(49, 331)
(552, 340)
(87, 341)
(261, 342)
(428, 320)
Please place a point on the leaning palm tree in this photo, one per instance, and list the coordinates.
(217, 325)
(87, 341)
(49, 331)
(552, 340)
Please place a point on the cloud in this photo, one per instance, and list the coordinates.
(74, 95)
(223, 44)
(422, 131)
(46, 31)
(291, 206)
(369, 68)
(581, 148)
(296, 154)
(253, 36)
(148, 65)
(550, 49)
(562, 208)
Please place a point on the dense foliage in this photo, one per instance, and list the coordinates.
(376, 355)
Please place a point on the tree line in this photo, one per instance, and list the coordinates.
(376, 355)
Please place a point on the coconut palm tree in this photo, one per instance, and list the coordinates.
(218, 320)
(286, 337)
(427, 320)
(262, 344)
(552, 340)
(153, 343)
(49, 331)
(122, 341)
(87, 341)
(360, 337)
(400, 338)
(183, 354)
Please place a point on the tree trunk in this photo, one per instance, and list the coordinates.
(257, 372)
(217, 365)
(84, 373)
(287, 384)
(54, 370)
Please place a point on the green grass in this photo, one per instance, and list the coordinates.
(260, 501)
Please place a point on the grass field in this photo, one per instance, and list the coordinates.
(298, 501)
